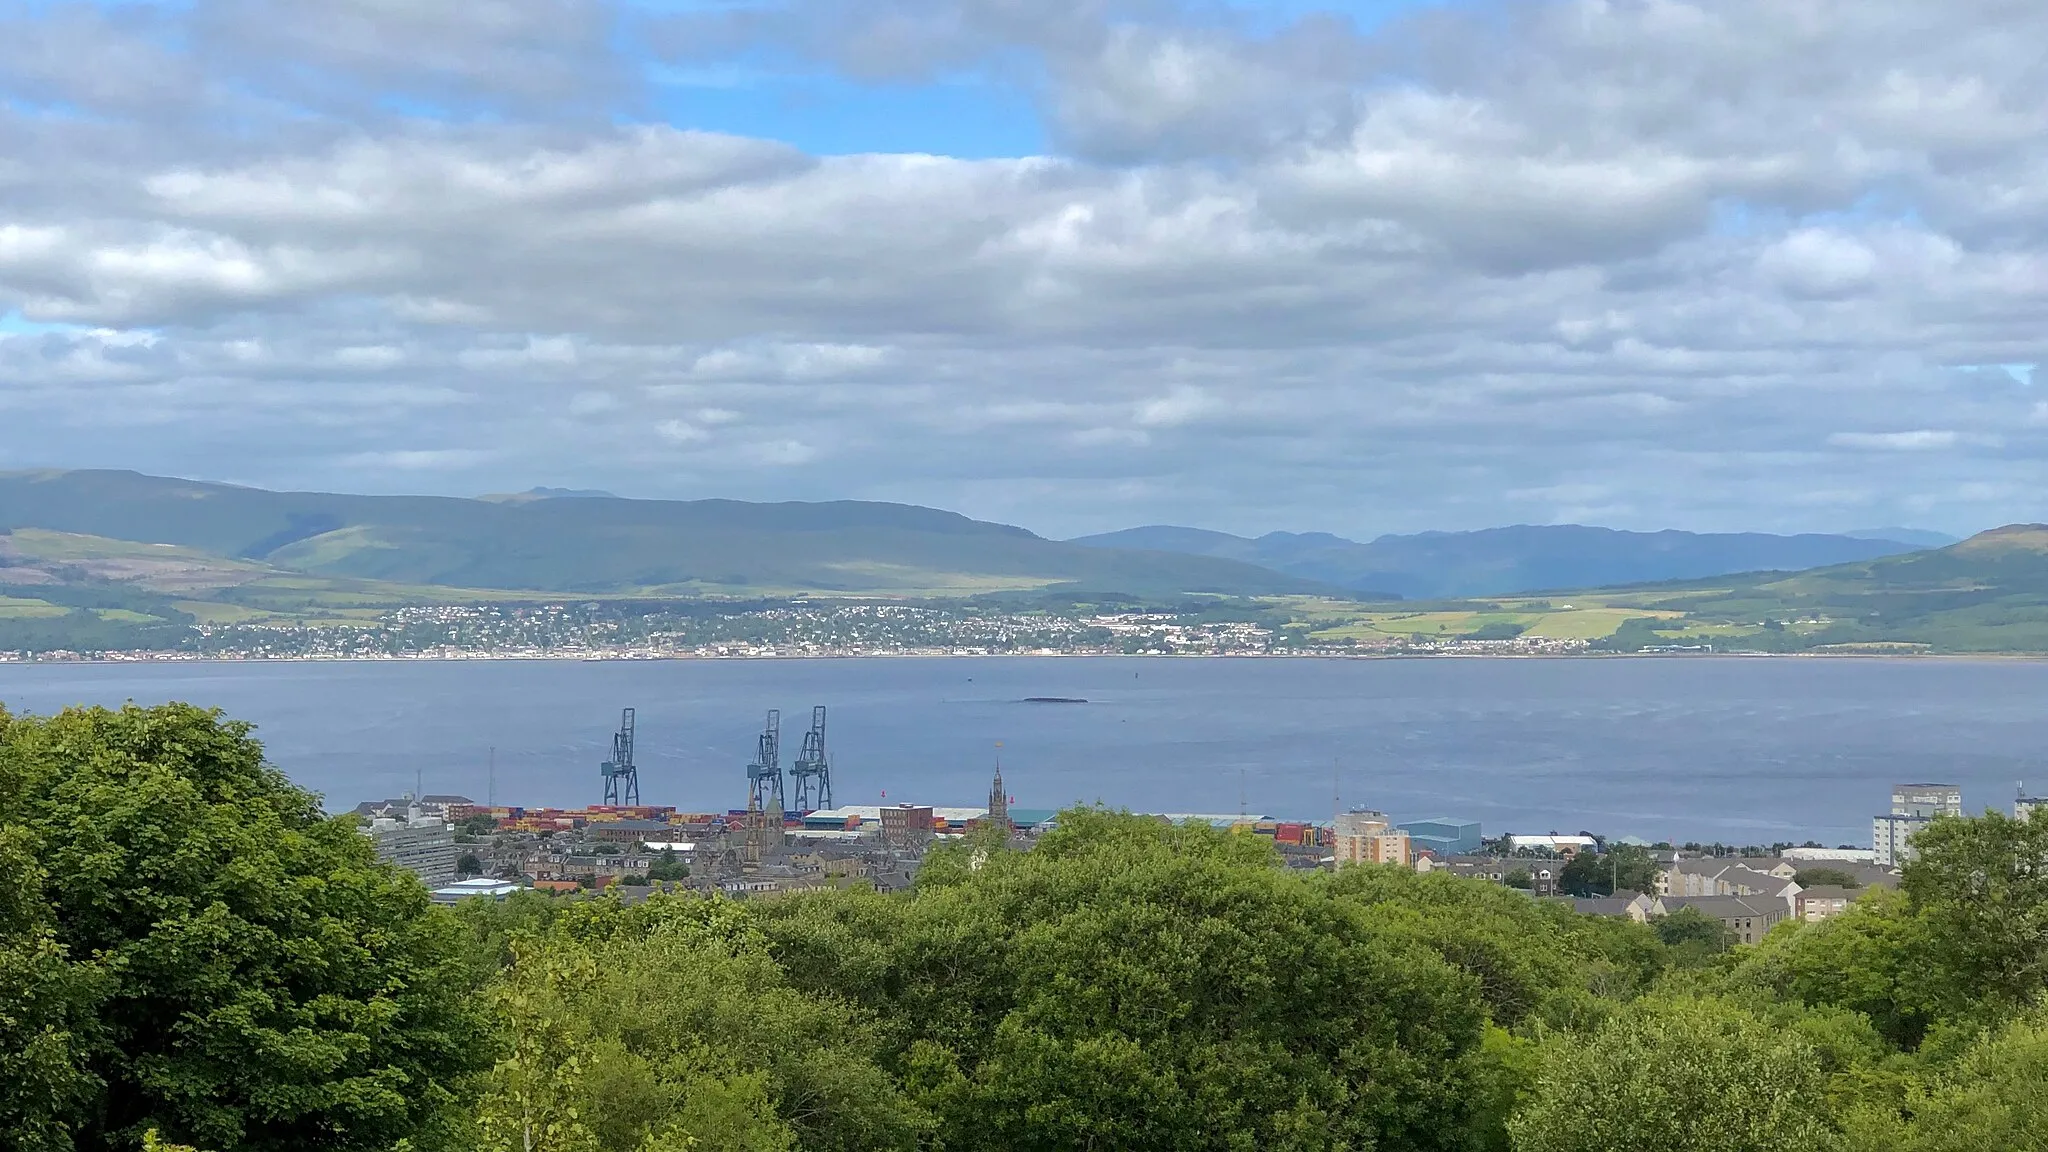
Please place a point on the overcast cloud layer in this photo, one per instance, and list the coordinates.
(1772, 264)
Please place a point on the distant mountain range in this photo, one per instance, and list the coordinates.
(107, 561)
(568, 541)
(1522, 558)
(546, 541)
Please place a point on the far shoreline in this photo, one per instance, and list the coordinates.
(13, 660)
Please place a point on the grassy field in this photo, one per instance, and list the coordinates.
(21, 608)
(1592, 616)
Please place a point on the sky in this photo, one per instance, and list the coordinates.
(1358, 266)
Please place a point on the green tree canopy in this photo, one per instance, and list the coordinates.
(1875, 958)
(1129, 984)
(1995, 1095)
(668, 1026)
(1622, 866)
(193, 947)
(1982, 885)
(1825, 877)
(1677, 1075)
(1693, 930)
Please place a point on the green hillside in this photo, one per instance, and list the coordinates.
(595, 545)
(1986, 594)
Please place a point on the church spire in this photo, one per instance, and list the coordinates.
(999, 801)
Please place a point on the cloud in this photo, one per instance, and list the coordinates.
(1634, 259)
(681, 432)
(1180, 406)
(780, 453)
(419, 460)
(592, 403)
(1919, 440)
(530, 56)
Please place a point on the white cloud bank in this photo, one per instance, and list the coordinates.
(1641, 259)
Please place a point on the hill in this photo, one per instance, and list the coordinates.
(593, 544)
(1988, 593)
(1506, 561)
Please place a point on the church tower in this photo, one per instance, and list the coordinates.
(999, 802)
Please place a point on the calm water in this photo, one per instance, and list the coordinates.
(1739, 750)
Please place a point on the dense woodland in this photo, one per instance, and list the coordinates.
(192, 954)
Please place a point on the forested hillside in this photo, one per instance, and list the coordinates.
(594, 545)
(191, 953)
(1986, 594)
(1505, 561)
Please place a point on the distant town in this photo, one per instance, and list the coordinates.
(603, 630)
(790, 836)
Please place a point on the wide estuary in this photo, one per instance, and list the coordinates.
(1741, 750)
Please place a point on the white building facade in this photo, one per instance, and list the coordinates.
(1914, 806)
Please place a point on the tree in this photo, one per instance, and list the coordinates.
(1130, 984)
(48, 1006)
(255, 979)
(1825, 877)
(1877, 957)
(468, 865)
(1694, 934)
(667, 867)
(667, 1025)
(1677, 1075)
(1518, 878)
(1994, 1095)
(1622, 866)
(1982, 884)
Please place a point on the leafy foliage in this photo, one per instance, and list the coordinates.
(1134, 985)
(1622, 866)
(1677, 1075)
(1982, 886)
(1994, 1096)
(219, 961)
(1695, 932)
(668, 1025)
(190, 954)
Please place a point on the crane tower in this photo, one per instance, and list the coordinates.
(811, 772)
(764, 790)
(621, 775)
(764, 775)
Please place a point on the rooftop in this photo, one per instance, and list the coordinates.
(482, 886)
(1722, 907)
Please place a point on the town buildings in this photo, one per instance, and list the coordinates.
(415, 841)
(1536, 875)
(1747, 917)
(1443, 835)
(2023, 806)
(436, 807)
(1823, 901)
(907, 823)
(1363, 836)
(1635, 906)
(487, 887)
(1831, 855)
(1549, 842)
(1769, 879)
(1914, 806)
